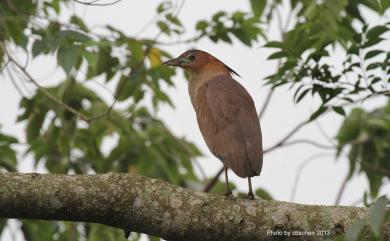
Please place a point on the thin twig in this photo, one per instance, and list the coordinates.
(22, 84)
(5, 66)
(300, 169)
(185, 41)
(326, 136)
(287, 137)
(213, 181)
(200, 168)
(149, 23)
(342, 189)
(305, 141)
(272, 90)
(11, 77)
(46, 92)
(266, 103)
(94, 3)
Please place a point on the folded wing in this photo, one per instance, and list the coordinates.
(229, 124)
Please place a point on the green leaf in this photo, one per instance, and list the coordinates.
(352, 157)
(372, 42)
(316, 114)
(374, 66)
(300, 97)
(376, 31)
(74, 35)
(67, 57)
(7, 154)
(263, 194)
(258, 7)
(377, 215)
(278, 55)
(352, 234)
(100, 232)
(153, 238)
(339, 110)
(38, 47)
(375, 5)
(202, 25)
(106, 63)
(34, 125)
(79, 22)
(351, 127)
(39, 230)
(5, 139)
(216, 17)
(312, 11)
(3, 223)
(372, 54)
(294, 3)
(137, 51)
(220, 187)
(1, 57)
(385, 5)
(274, 44)
(174, 20)
(164, 27)
(164, 6)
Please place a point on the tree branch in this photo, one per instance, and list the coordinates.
(95, 3)
(213, 181)
(155, 207)
(342, 189)
(309, 142)
(266, 103)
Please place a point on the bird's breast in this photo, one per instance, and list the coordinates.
(199, 79)
(194, 84)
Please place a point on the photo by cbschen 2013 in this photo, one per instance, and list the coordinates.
(193, 120)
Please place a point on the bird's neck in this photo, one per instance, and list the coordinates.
(200, 78)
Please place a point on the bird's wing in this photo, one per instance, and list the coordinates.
(228, 121)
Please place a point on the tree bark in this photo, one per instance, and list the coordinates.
(155, 207)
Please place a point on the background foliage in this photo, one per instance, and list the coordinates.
(67, 124)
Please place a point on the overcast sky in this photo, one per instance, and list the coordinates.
(319, 181)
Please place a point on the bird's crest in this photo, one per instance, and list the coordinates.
(232, 71)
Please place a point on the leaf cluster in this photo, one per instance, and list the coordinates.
(367, 134)
(378, 217)
(304, 54)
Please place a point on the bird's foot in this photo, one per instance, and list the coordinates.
(251, 196)
(227, 194)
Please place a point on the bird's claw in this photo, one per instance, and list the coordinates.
(251, 196)
(227, 194)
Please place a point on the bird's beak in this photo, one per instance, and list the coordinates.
(176, 62)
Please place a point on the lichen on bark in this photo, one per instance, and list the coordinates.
(155, 207)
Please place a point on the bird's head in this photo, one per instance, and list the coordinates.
(196, 61)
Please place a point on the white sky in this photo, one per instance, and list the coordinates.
(320, 180)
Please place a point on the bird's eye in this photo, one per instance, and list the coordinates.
(191, 57)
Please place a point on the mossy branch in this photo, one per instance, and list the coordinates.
(155, 207)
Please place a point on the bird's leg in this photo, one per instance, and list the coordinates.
(228, 191)
(250, 193)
